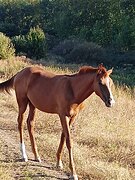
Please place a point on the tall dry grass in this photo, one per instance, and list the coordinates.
(104, 143)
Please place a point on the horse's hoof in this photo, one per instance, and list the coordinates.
(73, 177)
(38, 159)
(59, 165)
(25, 159)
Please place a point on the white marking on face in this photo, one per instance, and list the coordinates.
(111, 96)
(24, 155)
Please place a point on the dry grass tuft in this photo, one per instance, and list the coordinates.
(5, 173)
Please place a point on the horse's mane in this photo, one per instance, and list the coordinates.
(90, 69)
(87, 69)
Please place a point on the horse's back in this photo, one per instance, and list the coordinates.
(28, 74)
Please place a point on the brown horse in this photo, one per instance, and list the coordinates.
(60, 94)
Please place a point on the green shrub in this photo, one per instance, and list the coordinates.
(7, 49)
(33, 43)
(36, 46)
(65, 47)
(79, 51)
(19, 43)
(86, 52)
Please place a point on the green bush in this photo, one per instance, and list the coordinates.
(65, 47)
(33, 43)
(36, 45)
(79, 51)
(86, 52)
(19, 43)
(7, 49)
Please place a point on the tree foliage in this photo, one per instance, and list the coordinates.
(109, 23)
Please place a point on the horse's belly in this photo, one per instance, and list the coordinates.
(44, 103)
(47, 109)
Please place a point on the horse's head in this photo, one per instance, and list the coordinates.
(102, 85)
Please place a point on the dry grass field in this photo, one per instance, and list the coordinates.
(104, 138)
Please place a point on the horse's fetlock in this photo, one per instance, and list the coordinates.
(73, 177)
(59, 165)
(38, 159)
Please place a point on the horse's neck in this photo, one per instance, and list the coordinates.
(82, 87)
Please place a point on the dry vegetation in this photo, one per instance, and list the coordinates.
(104, 143)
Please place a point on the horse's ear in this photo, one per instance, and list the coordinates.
(100, 66)
(100, 69)
(110, 71)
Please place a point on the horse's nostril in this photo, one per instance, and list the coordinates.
(109, 102)
(110, 99)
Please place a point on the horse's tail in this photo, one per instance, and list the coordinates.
(6, 86)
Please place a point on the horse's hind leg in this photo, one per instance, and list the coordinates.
(22, 105)
(30, 124)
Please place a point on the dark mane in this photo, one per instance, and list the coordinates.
(87, 69)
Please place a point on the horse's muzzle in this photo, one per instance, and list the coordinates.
(110, 102)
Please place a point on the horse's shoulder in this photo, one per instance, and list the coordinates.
(66, 87)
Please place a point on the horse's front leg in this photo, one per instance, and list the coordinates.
(59, 164)
(65, 121)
